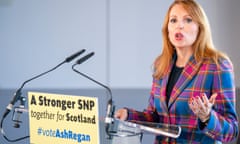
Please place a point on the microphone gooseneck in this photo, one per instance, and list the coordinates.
(110, 105)
(18, 94)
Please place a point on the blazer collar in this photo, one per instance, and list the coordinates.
(186, 76)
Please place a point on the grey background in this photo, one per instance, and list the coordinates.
(125, 36)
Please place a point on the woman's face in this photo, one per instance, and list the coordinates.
(182, 30)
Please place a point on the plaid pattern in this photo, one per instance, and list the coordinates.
(196, 78)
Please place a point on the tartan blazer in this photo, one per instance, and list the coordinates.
(196, 78)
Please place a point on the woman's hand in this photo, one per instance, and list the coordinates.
(201, 106)
(121, 114)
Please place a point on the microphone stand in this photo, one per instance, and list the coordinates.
(16, 125)
(174, 131)
(110, 107)
(18, 96)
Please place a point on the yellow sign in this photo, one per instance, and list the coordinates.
(63, 119)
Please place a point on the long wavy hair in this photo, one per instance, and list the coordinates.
(203, 46)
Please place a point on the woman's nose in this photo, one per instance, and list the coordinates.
(180, 25)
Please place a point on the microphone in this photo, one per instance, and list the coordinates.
(18, 94)
(70, 58)
(86, 57)
(110, 106)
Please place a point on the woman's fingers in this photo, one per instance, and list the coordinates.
(201, 105)
(121, 114)
(213, 98)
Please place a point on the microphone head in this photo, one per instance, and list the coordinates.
(70, 58)
(83, 59)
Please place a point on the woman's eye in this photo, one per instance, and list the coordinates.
(188, 20)
(173, 20)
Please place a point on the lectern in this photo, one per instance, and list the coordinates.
(131, 132)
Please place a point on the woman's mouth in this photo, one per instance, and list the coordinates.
(179, 36)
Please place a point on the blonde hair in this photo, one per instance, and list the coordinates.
(203, 46)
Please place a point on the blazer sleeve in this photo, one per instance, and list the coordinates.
(223, 122)
(150, 114)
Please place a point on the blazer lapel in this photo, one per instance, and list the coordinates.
(186, 76)
(163, 90)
